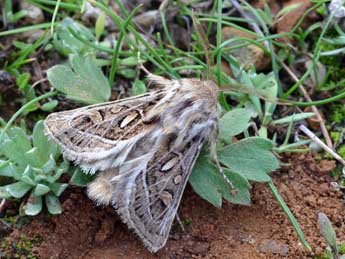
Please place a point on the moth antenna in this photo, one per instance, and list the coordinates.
(205, 44)
(159, 80)
(141, 65)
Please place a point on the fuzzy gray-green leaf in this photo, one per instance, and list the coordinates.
(241, 194)
(49, 106)
(66, 43)
(33, 158)
(327, 230)
(33, 206)
(41, 189)
(49, 166)
(58, 188)
(45, 146)
(80, 179)
(138, 87)
(250, 157)
(53, 204)
(4, 194)
(28, 176)
(81, 80)
(206, 182)
(234, 122)
(15, 145)
(18, 189)
(6, 169)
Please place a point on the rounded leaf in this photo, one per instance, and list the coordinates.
(18, 189)
(41, 189)
(53, 204)
(33, 206)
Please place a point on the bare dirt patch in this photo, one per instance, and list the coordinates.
(259, 231)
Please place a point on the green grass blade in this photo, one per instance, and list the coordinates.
(290, 216)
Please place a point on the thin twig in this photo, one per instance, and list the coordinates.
(180, 222)
(2, 205)
(42, 80)
(318, 141)
(314, 108)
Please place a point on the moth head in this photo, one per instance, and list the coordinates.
(158, 80)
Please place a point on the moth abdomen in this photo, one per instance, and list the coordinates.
(101, 189)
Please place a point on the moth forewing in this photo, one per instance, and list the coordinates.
(144, 149)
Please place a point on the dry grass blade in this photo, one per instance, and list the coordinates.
(204, 42)
(314, 108)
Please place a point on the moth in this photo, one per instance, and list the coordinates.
(143, 149)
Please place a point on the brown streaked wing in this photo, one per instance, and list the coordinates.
(94, 131)
(150, 202)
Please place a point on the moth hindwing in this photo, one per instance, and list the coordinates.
(143, 149)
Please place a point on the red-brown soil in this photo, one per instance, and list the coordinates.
(262, 230)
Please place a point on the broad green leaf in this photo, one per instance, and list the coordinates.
(49, 106)
(129, 62)
(30, 94)
(41, 189)
(241, 194)
(208, 182)
(6, 169)
(4, 194)
(138, 87)
(33, 206)
(45, 146)
(49, 166)
(66, 43)
(21, 45)
(234, 122)
(61, 169)
(58, 188)
(15, 145)
(19, 135)
(17, 171)
(127, 73)
(81, 80)
(40, 175)
(255, 100)
(53, 204)
(18, 189)
(250, 157)
(81, 179)
(28, 176)
(265, 86)
(33, 158)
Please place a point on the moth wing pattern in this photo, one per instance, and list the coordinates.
(147, 201)
(95, 135)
